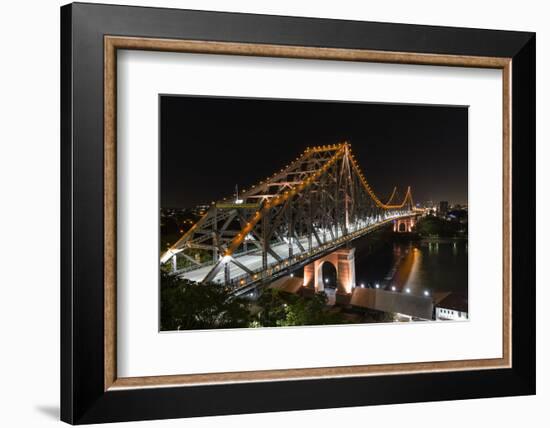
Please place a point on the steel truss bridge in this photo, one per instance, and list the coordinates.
(312, 206)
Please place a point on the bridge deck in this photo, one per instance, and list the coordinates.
(253, 260)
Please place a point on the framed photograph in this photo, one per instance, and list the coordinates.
(265, 213)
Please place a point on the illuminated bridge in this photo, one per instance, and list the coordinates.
(308, 210)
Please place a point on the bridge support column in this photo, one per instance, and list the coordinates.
(403, 225)
(343, 261)
(346, 270)
(174, 263)
(226, 273)
(309, 275)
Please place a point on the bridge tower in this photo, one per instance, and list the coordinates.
(343, 260)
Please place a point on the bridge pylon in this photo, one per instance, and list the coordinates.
(343, 260)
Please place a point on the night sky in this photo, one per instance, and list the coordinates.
(209, 144)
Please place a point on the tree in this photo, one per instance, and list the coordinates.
(313, 311)
(283, 309)
(435, 226)
(272, 304)
(371, 315)
(186, 305)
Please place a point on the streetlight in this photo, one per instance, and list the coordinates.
(377, 285)
(362, 285)
(326, 280)
(407, 290)
(393, 288)
(426, 293)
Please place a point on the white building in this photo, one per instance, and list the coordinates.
(446, 314)
(451, 307)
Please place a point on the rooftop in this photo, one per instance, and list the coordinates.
(450, 300)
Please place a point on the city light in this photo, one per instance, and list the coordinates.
(326, 281)
(393, 288)
(426, 293)
(292, 275)
(377, 285)
(362, 285)
(407, 290)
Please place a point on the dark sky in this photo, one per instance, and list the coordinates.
(209, 144)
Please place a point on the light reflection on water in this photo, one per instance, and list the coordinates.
(433, 266)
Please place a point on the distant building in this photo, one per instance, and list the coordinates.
(200, 210)
(428, 207)
(443, 208)
(451, 307)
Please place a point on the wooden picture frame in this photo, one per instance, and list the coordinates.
(91, 390)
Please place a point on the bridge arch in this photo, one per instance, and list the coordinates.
(343, 260)
(326, 275)
(404, 225)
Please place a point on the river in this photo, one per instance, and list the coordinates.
(422, 266)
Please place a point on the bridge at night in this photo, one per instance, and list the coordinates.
(307, 212)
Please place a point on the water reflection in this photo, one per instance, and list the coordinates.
(419, 267)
